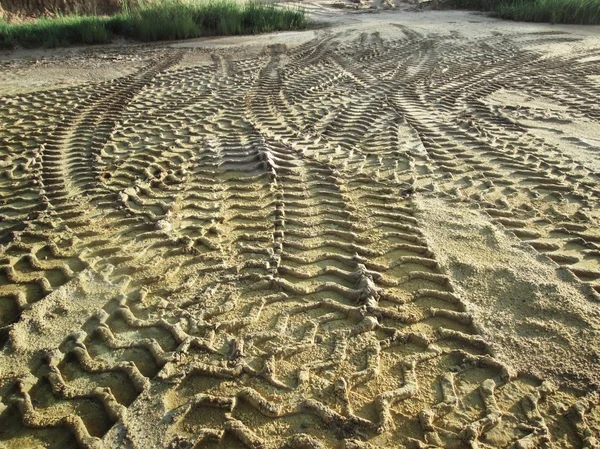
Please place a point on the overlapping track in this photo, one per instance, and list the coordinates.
(245, 239)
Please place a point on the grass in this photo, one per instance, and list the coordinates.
(582, 12)
(152, 21)
(55, 32)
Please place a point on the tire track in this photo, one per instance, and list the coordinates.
(268, 278)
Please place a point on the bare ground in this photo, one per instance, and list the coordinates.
(379, 234)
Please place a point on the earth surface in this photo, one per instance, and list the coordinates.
(383, 232)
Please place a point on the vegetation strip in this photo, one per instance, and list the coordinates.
(581, 12)
(160, 20)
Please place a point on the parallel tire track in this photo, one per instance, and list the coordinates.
(271, 284)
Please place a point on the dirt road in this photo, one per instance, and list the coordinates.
(379, 234)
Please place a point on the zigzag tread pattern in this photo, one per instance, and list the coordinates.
(257, 220)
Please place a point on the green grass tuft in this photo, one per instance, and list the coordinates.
(154, 20)
(582, 12)
(55, 32)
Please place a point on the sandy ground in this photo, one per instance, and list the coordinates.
(379, 233)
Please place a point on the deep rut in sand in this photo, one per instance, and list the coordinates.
(239, 254)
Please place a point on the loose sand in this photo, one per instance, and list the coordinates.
(381, 233)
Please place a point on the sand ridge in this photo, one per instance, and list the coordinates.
(360, 239)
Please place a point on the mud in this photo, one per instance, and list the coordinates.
(379, 234)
